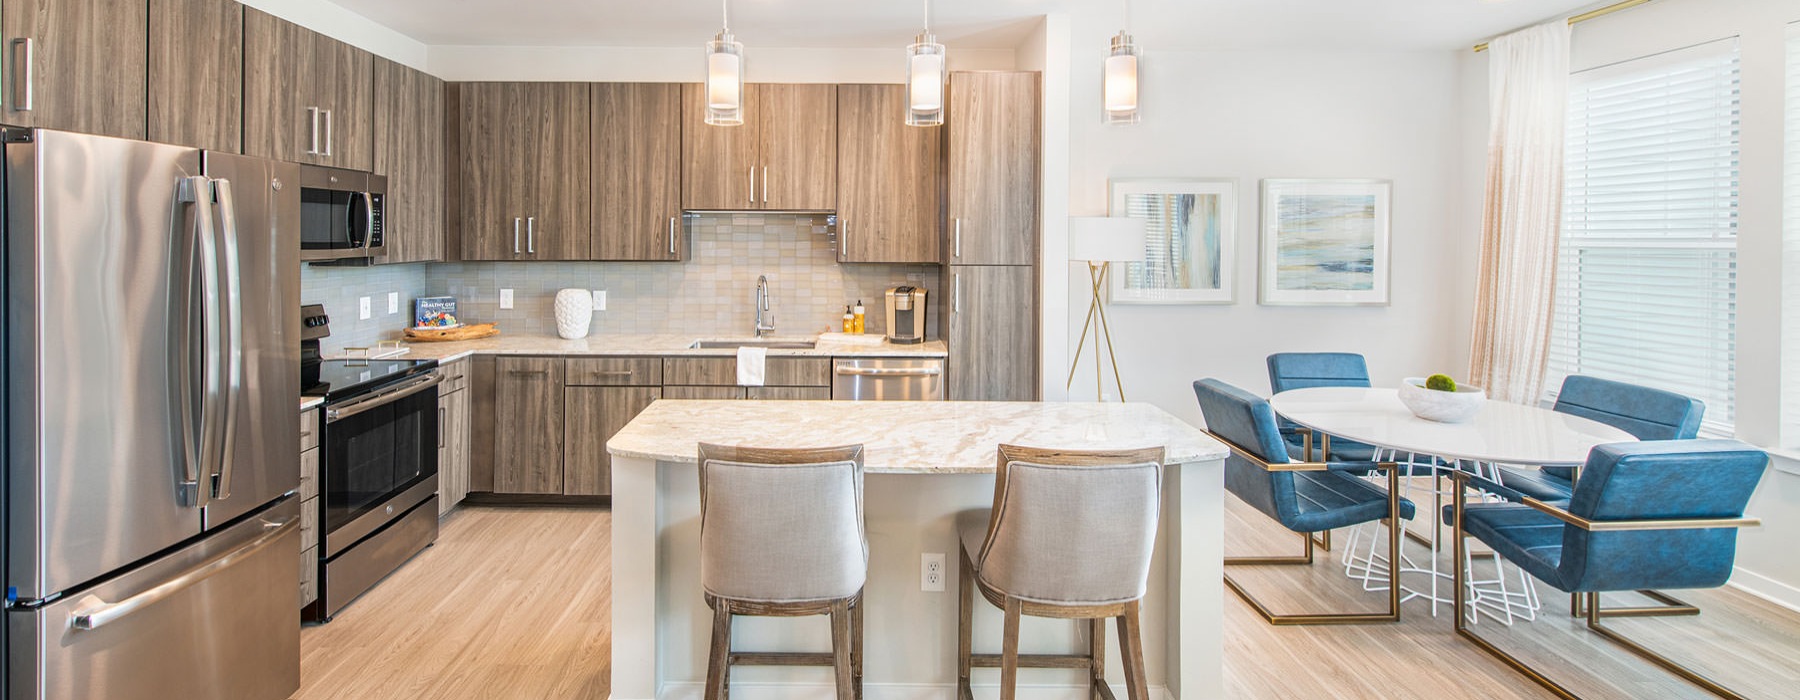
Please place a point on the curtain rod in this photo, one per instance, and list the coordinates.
(1585, 16)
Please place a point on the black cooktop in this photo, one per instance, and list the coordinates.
(341, 378)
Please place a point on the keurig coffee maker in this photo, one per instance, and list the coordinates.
(906, 315)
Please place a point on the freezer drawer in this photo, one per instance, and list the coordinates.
(212, 621)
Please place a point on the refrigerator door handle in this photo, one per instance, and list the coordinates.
(233, 331)
(192, 190)
(95, 613)
(212, 343)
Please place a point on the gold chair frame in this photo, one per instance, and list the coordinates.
(1306, 558)
(1593, 612)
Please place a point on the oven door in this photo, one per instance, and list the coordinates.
(379, 446)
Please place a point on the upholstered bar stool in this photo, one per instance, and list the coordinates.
(1069, 537)
(781, 535)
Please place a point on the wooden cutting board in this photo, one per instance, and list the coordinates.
(435, 335)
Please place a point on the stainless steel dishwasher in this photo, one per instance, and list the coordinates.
(888, 379)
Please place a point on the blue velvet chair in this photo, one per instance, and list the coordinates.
(1645, 413)
(1305, 497)
(1305, 370)
(1644, 515)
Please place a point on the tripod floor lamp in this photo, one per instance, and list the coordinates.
(1100, 241)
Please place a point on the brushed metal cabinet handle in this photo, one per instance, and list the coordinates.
(516, 221)
(958, 248)
(672, 220)
(440, 427)
(765, 184)
(23, 103)
(327, 152)
(844, 238)
(529, 372)
(312, 145)
(531, 235)
(752, 184)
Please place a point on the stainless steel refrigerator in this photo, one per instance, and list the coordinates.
(152, 421)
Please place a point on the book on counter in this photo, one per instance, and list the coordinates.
(435, 313)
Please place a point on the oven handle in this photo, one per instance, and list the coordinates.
(890, 371)
(382, 398)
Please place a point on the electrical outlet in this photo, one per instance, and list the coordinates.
(393, 302)
(505, 298)
(363, 308)
(931, 572)
(599, 300)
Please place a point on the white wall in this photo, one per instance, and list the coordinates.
(334, 21)
(1256, 115)
(1766, 564)
(685, 63)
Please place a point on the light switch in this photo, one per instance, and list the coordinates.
(363, 308)
(393, 302)
(599, 300)
(505, 299)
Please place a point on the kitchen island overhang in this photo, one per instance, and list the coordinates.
(925, 461)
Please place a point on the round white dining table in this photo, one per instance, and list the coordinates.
(1504, 433)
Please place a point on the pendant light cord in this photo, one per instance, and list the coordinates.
(927, 28)
(725, 14)
(1127, 16)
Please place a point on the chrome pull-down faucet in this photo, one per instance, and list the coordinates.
(762, 307)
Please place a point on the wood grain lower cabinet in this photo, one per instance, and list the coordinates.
(453, 446)
(196, 88)
(992, 333)
(704, 393)
(528, 433)
(409, 150)
(309, 507)
(592, 415)
(888, 183)
(788, 393)
(76, 65)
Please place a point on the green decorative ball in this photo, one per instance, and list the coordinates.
(1440, 382)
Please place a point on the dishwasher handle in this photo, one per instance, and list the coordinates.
(890, 371)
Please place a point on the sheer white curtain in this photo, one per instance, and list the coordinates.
(1528, 78)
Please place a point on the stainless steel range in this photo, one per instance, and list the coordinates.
(378, 468)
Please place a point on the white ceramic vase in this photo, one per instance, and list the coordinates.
(574, 313)
(1441, 406)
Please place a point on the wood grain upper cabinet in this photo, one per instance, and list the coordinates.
(308, 98)
(636, 168)
(888, 184)
(409, 150)
(783, 157)
(992, 333)
(76, 65)
(992, 128)
(525, 150)
(593, 414)
(528, 430)
(196, 88)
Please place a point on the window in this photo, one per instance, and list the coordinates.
(1647, 272)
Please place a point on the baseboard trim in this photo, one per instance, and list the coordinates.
(886, 691)
(1766, 588)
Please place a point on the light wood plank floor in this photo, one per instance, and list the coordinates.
(512, 603)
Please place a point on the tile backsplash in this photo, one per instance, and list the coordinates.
(709, 295)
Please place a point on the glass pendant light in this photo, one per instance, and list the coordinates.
(925, 78)
(725, 76)
(1119, 94)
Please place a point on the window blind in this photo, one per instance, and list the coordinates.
(1647, 268)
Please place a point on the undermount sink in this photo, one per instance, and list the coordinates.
(748, 343)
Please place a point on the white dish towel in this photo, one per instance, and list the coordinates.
(750, 365)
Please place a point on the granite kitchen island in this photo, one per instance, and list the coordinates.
(925, 462)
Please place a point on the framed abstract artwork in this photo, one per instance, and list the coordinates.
(1325, 242)
(1189, 251)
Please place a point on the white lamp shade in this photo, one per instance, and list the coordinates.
(1106, 239)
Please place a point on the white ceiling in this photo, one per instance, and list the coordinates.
(1163, 24)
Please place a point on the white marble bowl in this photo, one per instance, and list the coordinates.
(1441, 406)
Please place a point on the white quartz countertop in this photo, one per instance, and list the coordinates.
(308, 403)
(658, 345)
(910, 437)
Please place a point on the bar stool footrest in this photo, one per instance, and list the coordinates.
(781, 658)
(1069, 661)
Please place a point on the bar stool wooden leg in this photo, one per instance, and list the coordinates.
(1009, 651)
(856, 644)
(965, 632)
(718, 667)
(840, 649)
(1131, 645)
(1097, 658)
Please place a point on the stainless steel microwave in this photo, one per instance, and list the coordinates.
(342, 214)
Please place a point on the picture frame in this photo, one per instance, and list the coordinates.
(1191, 243)
(1325, 242)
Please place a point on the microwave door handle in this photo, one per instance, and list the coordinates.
(368, 234)
(351, 201)
(181, 366)
(234, 334)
